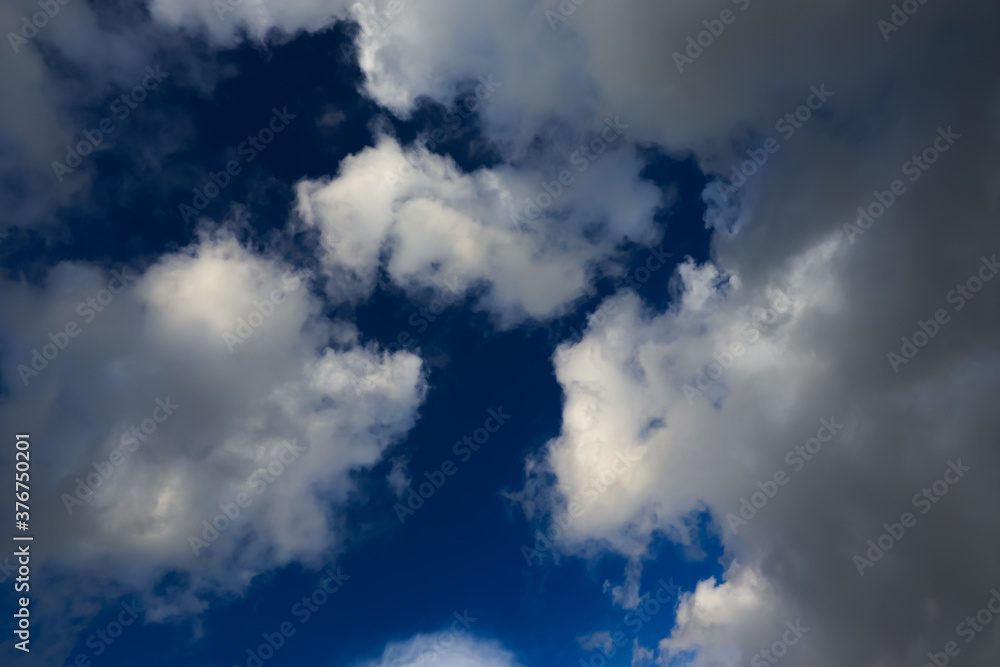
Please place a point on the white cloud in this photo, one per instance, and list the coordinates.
(626, 595)
(716, 620)
(225, 21)
(285, 388)
(641, 656)
(398, 476)
(447, 649)
(434, 223)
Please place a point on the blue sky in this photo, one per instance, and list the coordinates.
(477, 253)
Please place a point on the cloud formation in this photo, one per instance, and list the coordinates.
(842, 227)
(534, 243)
(199, 419)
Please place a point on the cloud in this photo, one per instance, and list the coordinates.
(766, 395)
(398, 477)
(718, 618)
(67, 69)
(260, 407)
(626, 595)
(227, 21)
(641, 656)
(446, 649)
(414, 214)
(601, 639)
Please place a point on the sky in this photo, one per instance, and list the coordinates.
(569, 332)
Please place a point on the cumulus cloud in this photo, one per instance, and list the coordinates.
(416, 215)
(447, 649)
(208, 385)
